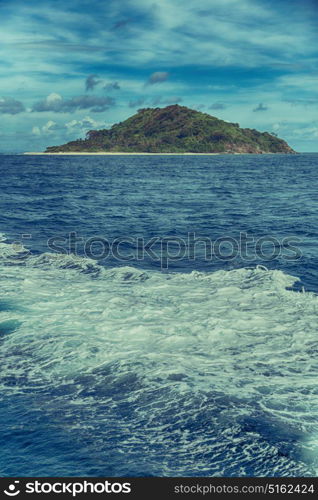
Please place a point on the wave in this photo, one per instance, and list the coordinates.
(17, 254)
(226, 358)
(168, 311)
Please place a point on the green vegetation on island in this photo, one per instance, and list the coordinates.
(175, 129)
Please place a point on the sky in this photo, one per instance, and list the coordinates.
(70, 66)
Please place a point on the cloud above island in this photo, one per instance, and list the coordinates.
(112, 86)
(260, 107)
(157, 77)
(217, 106)
(57, 104)
(79, 126)
(10, 106)
(91, 82)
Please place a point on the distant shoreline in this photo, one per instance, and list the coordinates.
(112, 153)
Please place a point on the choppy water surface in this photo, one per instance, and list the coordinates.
(114, 368)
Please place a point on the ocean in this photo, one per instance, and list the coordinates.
(158, 315)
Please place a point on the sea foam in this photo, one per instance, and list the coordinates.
(220, 362)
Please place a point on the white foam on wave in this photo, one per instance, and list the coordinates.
(188, 317)
(16, 253)
(10, 252)
(241, 333)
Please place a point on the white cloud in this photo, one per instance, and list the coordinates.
(158, 77)
(53, 98)
(306, 132)
(80, 126)
(303, 81)
(84, 124)
(49, 128)
(56, 104)
(36, 130)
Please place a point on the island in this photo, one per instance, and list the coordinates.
(175, 129)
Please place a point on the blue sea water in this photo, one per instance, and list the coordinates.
(158, 366)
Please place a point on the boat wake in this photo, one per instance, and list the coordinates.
(156, 373)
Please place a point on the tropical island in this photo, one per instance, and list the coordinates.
(175, 129)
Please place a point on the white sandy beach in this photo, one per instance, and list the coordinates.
(111, 153)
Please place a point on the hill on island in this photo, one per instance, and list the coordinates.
(176, 129)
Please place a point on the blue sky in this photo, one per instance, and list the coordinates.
(70, 66)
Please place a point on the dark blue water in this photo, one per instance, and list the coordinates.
(173, 361)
